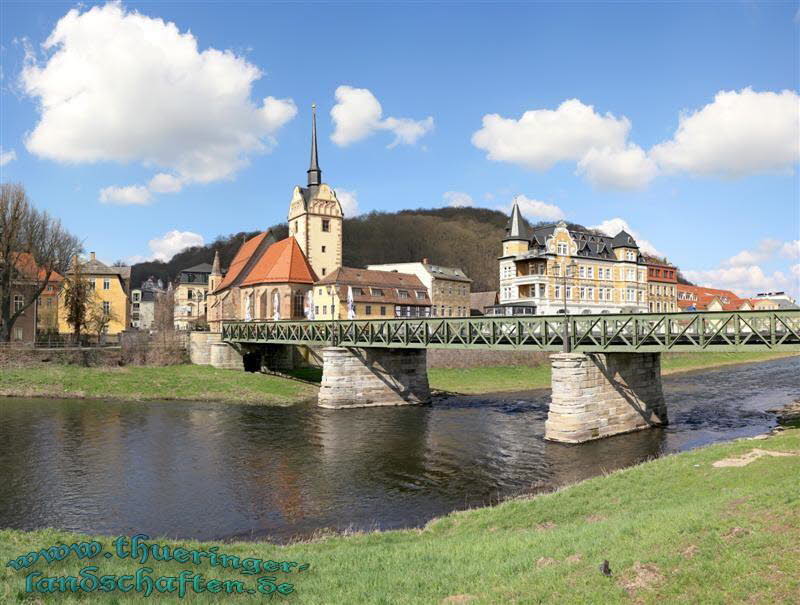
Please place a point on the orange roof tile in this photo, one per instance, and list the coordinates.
(282, 262)
(27, 266)
(240, 260)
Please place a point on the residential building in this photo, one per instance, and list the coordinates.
(701, 298)
(781, 299)
(191, 294)
(662, 285)
(270, 279)
(111, 293)
(143, 303)
(47, 306)
(481, 302)
(448, 287)
(550, 269)
(374, 295)
(27, 280)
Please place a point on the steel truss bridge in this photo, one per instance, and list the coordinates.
(644, 332)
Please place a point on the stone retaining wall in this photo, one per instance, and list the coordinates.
(200, 346)
(601, 394)
(373, 377)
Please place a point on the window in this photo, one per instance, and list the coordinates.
(323, 249)
(298, 304)
(558, 292)
(608, 273)
(135, 306)
(376, 291)
(562, 249)
(402, 293)
(91, 284)
(326, 225)
(383, 310)
(190, 295)
(316, 309)
(629, 255)
(556, 270)
(590, 293)
(590, 272)
(421, 295)
(17, 333)
(136, 296)
(631, 275)
(583, 293)
(324, 309)
(106, 307)
(581, 271)
(19, 302)
(106, 284)
(319, 291)
(324, 270)
(357, 292)
(631, 295)
(368, 310)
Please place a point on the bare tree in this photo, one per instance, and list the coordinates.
(98, 318)
(33, 246)
(164, 311)
(76, 295)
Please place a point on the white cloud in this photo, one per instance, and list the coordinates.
(791, 249)
(795, 269)
(744, 280)
(165, 183)
(535, 209)
(358, 114)
(766, 249)
(458, 199)
(543, 137)
(168, 245)
(613, 226)
(123, 87)
(610, 168)
(7, 156)
(738, 134)
(348, 201)
(135, 195)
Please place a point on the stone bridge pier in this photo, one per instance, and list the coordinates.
(368, 377)
(597, 395)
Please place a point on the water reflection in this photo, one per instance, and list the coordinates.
(219, 471)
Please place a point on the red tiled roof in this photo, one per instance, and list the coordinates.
(27, 266)
(240, 260)
(705, 297)
(282, 262)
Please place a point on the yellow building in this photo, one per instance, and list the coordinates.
(111, 293)
(552, 268)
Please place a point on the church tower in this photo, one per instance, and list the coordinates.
(315, 216)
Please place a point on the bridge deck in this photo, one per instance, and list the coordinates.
(645, 332)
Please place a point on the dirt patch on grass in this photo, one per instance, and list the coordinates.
(749, 457)
(576, 558)
(690, 551)
(458, 598)
(735, 532)
(545, 526)
(595, 518)
(545, 562)
(642, 576)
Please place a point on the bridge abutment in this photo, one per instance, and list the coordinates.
(597, 395)
(370, 377)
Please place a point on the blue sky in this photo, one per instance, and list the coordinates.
(679, 120)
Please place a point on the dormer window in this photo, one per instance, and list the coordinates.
(562, 249)
(629, 255)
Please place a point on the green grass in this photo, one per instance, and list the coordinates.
(140, 383)
(703, 534)
(523, 378)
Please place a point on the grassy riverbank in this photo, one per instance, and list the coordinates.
(141, 383)
(675, 530)
(520, 378)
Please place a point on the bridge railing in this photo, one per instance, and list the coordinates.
(734, 330)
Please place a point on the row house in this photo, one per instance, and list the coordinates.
(553, 269)
(350, 293)
(191, 294)
(701, 298)
(662, 286)
(448, 287)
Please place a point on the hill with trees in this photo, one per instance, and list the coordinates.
(469, 238)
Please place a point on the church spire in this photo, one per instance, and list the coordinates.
(314, 172)
(516, 229)
(215, 270)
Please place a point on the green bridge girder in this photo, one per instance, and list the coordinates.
(643, 332)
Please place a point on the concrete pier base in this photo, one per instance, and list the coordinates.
(373, 377)
(597, 395)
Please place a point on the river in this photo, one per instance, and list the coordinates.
(222, 471)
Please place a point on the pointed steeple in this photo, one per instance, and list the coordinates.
(215, 269)
(517, 229)
(314, 172)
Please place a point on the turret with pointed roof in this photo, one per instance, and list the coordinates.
(517, 228)
(314, 171)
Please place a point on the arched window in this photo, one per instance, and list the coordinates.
(263, 305)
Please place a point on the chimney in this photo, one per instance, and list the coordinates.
(92, 256)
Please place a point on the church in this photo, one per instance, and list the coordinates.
(270, 279)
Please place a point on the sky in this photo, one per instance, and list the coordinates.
(147, 127)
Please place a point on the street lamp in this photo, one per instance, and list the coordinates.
(568, 271)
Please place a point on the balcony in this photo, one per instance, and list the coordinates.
(533, 278)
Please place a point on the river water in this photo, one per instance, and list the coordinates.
(214, 471)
